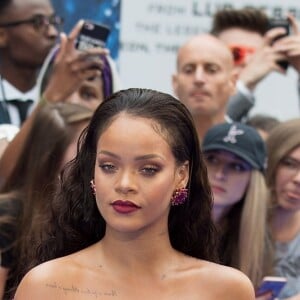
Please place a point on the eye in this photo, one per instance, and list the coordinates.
(149, 170)
(289, 163)
(211, 68)
(211, 159)
(188, 69)
(88, 94)
(108, 168)
(238, 167)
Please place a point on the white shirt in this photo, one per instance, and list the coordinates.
(9, 92)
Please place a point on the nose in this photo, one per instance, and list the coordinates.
(52, 31)
(74, 98)
(296, 178)
(199, 74)
(126, 182)
(220, 172)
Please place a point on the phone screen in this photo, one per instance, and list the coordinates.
(92, 35)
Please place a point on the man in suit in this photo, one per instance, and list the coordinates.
(28, 30)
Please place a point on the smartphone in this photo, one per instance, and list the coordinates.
(271, 284)
(273, 23)
(92, 35)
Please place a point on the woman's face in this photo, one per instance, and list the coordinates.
(135, 176)
(229, 177)
(89, 93)
(287, 181)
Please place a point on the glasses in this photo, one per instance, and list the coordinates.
(38, 22)
(290, 166)
(236, 167)
(240, 53)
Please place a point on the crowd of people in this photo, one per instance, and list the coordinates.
(136, 193)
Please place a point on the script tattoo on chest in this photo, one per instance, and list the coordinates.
(88, 292)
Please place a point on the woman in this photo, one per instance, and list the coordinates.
(132, 218)
(235, 156)
(26, 196)
(283, 179)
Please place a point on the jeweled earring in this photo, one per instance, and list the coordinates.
(179, 196)
(93, 187)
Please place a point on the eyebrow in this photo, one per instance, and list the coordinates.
(141, 157)
(292, 158)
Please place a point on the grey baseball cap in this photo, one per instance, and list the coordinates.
(239, 139)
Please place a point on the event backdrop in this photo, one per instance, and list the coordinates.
(147, 33)
(152, 31)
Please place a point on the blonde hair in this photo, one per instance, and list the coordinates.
(283, 139)
(254, 245)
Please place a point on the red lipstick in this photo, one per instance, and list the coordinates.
(124, 207)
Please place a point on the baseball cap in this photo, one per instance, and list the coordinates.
(239, 139)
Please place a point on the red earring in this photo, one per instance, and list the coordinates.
(179, 196)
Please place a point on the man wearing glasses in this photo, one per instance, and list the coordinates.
(246, 32)
(28, 30)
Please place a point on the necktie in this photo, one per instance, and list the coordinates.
(22, 107)
(4, 115)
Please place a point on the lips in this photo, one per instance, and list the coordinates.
(217, 189)
(124, 206)
(199, 93)
(293, 195)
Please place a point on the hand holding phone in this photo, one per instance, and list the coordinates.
(271, 284)
(92, 35)
(284, 23)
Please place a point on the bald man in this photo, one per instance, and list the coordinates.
(205, 79)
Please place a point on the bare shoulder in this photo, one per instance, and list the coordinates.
(222, 282)
(46, 281)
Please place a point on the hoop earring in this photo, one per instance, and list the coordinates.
(179, 196)
(93, 187)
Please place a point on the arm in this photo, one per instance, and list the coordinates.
(33, 287)
(71, 68)
(290, 45)
(241, 288)
(3, 278)
(258, 67)
(240, 104)
(227, 283)
(14, 148)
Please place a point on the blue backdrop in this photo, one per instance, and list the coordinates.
(102, 11)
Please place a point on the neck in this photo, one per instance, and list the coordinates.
(21, 78)
(218, 212)
(204, 122)
(285, 224)
(140, 253)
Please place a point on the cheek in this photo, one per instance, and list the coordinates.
(280, 182)
(27, 44)
(238, 187)
(159, 194)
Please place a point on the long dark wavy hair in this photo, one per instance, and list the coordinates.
(77, 223)
(26, 196)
